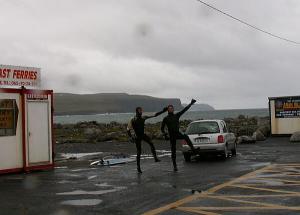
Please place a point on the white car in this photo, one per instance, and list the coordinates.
(210, 136)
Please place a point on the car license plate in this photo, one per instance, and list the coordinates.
(202, 140)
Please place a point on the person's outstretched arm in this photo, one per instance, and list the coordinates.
(129, 128)
(156, 114)
(186, 108)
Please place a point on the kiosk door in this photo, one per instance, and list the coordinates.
(38, 132)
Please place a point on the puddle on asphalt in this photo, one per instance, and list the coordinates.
(292, 169)
(166, 184)
(82, 170)
(82, 202)
(268, 182)
(163, 151)
(61, 167)
(116, 160)
(31, 182)
(92, 177)
(66, 182)
(270, 175)
(103, 185)
(112, 161)
(79, 155)
(261, 164)
(149, 156)
(97, 192)
(116, 166)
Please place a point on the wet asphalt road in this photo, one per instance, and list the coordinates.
(75, 188)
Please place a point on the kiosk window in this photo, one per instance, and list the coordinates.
(8, 117)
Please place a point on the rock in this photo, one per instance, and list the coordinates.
(265, 130)
(92, 131)
(245, 139)
(295, 137)
(258, 136)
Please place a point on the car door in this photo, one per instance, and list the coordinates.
(228, 136)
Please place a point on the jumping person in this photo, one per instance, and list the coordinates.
(137, 124)
(172, 122)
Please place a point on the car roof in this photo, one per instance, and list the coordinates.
(208, 120)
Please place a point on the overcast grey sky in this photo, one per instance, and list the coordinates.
(164, 48)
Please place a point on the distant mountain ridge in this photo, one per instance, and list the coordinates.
(83, 104)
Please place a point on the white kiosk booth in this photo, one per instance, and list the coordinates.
(284, 114)
(26, 121)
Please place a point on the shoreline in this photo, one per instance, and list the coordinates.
(116, 113)
(190, 115)
(97, 133)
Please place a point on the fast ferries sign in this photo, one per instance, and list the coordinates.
(17, 76)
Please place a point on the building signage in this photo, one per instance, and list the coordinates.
(8, 117)
(37, 96)
(16, 76)
(287, 107)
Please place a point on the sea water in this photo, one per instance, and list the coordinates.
(190, 115)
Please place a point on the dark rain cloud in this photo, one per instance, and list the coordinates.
(161, 48)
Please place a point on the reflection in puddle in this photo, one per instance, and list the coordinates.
(103, 185)
(61, 167)
(97, 192)
(268, 182)
(82, 202)
(79, 155)
(261, 164)
(66, 182)
(31, 182)
(92, 177)
(81, 170)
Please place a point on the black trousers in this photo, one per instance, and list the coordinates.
(173, 138)
(138, 143)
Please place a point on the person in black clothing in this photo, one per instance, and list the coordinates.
(137, 124)
(172, 122)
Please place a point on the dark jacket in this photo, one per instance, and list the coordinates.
(172, 121)
(137, 123)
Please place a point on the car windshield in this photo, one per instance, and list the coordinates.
(203, 128)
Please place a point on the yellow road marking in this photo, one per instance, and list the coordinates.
(294, 174)
(271, 170)
(278, 179)
(247, 202)
(244, 177)
(196, 211)
(266, 184)
(235, 208)
(289, 165)
(259, 196)
(210, 193)
(200, 195)
(174, 204)
(264, 189)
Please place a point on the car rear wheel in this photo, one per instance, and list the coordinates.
(187, 156)
(233, 151)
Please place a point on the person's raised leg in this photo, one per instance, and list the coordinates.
(187, 140)
(147, 139)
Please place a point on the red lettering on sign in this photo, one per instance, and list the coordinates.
(4, 73)
(23, 74)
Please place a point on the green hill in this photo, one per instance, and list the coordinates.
(77, 104)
